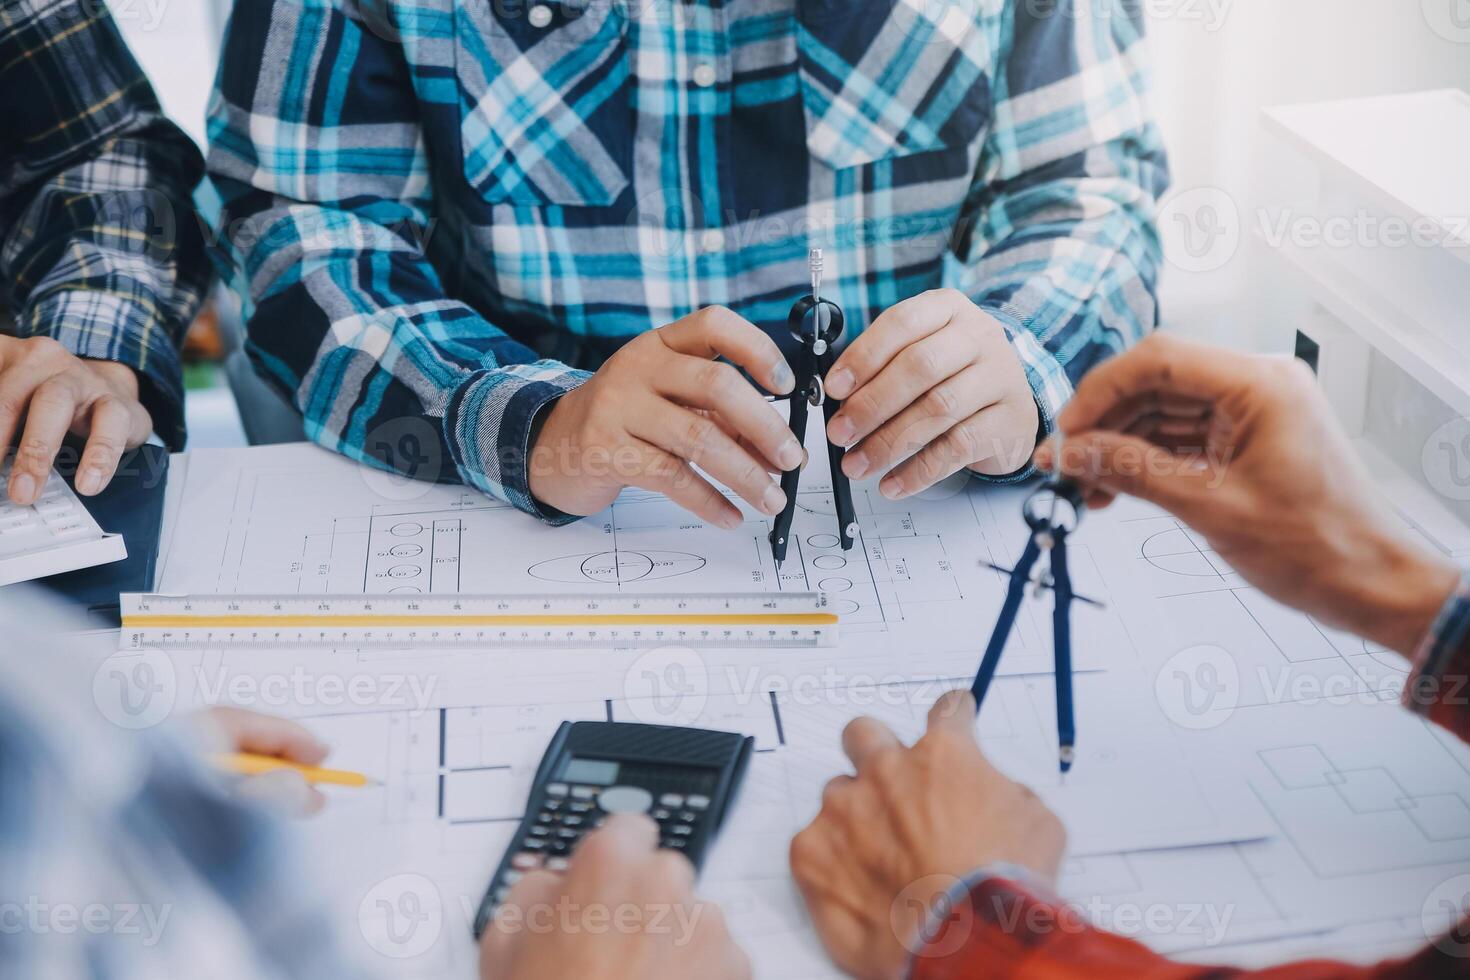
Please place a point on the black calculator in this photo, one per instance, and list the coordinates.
(684, 778)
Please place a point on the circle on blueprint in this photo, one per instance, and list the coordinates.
(830, 585)
(1445, 908)
(1201, 229)
(1199, 687)
(824, 541)
(407, 456)
(830, 562)
(1446, 459)
(1450, 19)
(406, 529)
(405, 571)
(845, 607)
(406, 588)
(401, 916)
(667, 686)
(406, 550)
(135, 689)
(927, 919)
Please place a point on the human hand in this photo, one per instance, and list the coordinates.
(934, 377)
(1244, 450)
(56, 393)
(624, 910)
(868, 864)
(662, 403)
(239, 730)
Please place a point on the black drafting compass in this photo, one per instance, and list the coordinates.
(817, 324)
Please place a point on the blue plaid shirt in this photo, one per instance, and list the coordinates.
(440, 215)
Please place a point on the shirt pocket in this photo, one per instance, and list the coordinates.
(891, 78)
(546, 115)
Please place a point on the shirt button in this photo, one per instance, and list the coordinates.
(704, 75)
(713, 240)
(539, 15)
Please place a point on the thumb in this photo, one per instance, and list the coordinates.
(1123, 464)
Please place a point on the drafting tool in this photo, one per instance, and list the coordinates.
(685, 779)
(399, 621)
(1048, 535)
(817, 324)
(251, 764)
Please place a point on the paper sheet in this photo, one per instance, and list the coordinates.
(1246, 784)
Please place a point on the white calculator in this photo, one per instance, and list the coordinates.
(56, 534)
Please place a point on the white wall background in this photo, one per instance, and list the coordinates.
(1219, 63)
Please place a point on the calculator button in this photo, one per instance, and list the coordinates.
(688, 816)
(556, 789)
(532, 844)
(560, 847)
(540, 831)
(661, 814)
(556, 864)
(580, 807)
(571, 821)
(677, 843)
(554, 805)
(682, 829)
(625, 799)
(565, 834)
(671, 800)
(544, 817)
(696, 802)
(510, 877)
(583, 793)
(526, 861)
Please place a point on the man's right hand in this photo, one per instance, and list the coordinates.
(1245, 451)
(624, 910)
(662, 403)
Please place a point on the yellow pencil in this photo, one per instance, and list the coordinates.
(250, 764)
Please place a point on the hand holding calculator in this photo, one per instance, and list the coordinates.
(684, 778)
(56, 534)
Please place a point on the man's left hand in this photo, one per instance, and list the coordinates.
(909, 825)
(933, 381)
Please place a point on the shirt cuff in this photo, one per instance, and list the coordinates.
(1437, 686)
(984, 918)
(103, 326)
(1049, 383)
(488, 426)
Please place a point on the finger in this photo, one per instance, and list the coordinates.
(18, 383)
(921, 423)
(955, 711)
(835, 787)
(1122, 464)
(720, 332)
(613, 851)
(913, 372)
(720, 389)
(694, 437)
(535, 890)
(673, 871)
(902, 324)
(989, 440)
(50, 414)
(1163, 363)
(250, 731)
(662, 472)
(112, 431)
(285, 791)
(864, 738)
(740, 440)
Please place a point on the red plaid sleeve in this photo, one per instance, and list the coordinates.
(1000, 930)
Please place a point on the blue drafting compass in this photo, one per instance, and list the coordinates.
(1052, 513)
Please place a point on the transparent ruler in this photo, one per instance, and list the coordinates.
(757, 619)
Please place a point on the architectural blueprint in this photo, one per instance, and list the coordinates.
(1247, 786)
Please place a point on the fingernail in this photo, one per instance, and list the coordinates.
(730, 521)
(791, 456)
(841, 430)
(22, 488)
(783, 379)
(773, 501)
(891, 488)
(856, 465)
(839, 383)
(90, 481)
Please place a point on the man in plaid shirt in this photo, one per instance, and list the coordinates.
(102, 264)
(441, 216)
